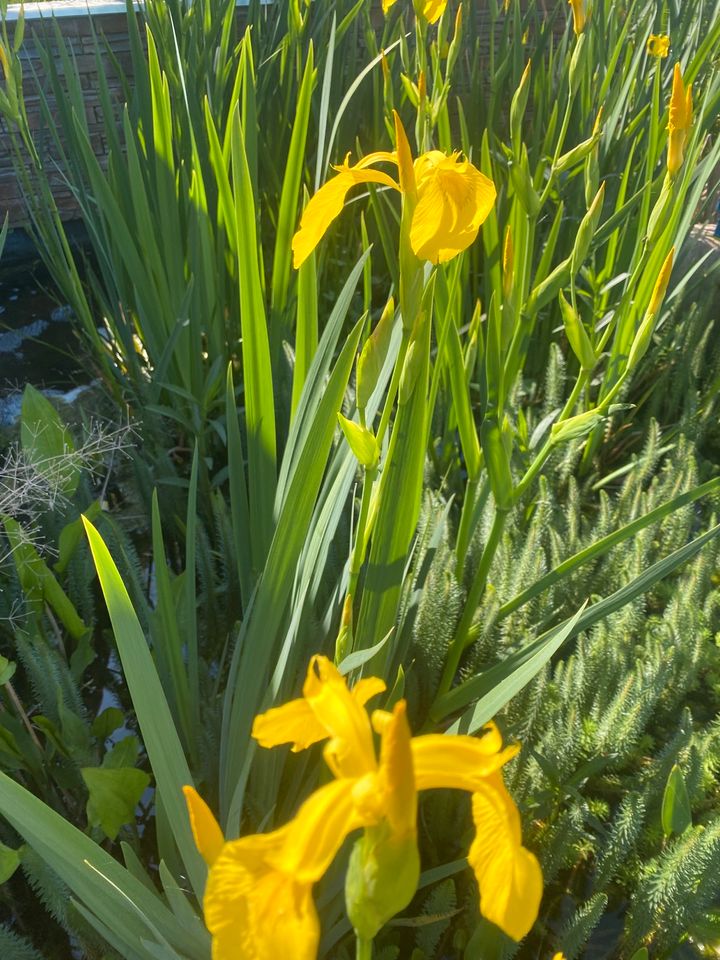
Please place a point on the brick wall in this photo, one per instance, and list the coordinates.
(77, 29)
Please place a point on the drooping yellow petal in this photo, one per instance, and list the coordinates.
(396, 775)
(454, 199)
(314, 836)
(254, 911)
(508, 875)
(206, 830)
(458, 762)
(328, 202)
(658, 45)
(433, 10)
(579, 19)
(293, 722)
(351, 751)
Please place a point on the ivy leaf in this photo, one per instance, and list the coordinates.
(114, 794)
(676, 815)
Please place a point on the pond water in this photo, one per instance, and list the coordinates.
(37, 342)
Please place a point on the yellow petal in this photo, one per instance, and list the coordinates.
(351, 752)
(454, 198)
(396, 775)
(661, 284)
(256, 912)
(367, 688)
(206, 830)
(433, 10)
(293, 722)
(458, 763)
(578, 10)
(508, 875)
(678, 101)
(386, 4)
(328, 202)
(314, 836)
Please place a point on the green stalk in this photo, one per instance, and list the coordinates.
(393, 388)
(362, 533)
(460, 640)
(363, 949)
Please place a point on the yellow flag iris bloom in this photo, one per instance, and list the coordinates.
(258, 902)
(451, 199)
(431, 10)
(579, 18)
(680, 121)
(658, 45)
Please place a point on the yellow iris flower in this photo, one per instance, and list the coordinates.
(258, 901)
(680, 121)
(658, 45)
(450, 199)
(432, 10)
(579, 18)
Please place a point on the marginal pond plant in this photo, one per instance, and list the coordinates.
(370, 418)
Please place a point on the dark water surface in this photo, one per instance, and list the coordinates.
(38, 343)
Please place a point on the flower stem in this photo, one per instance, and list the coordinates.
(460, 640)
(363, 949)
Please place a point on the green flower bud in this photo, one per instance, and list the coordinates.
(381, 879)
(576, 334)
(362, 442)
(373, 354)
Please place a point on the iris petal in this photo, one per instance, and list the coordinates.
(255, 912)
(327, 203)
(458, 762)
(454, 199)
(206, 830)
(508, 875)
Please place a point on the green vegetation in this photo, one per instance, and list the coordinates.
(515, 517)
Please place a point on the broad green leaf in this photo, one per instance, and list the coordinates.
(260, 635)
(38, 582)
(257, 373)
(289, 196)
(114, 795)
(676, 815)
(158, 731)
(107, 889)
(47, 443)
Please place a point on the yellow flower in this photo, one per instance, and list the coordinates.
(432, 10)
(680, 121)
(658, 45)
(258, 901)
(579, 19)
(386, 792)
(451, 200)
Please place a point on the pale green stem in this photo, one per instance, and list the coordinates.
(460, 640)
(363, 949)
(361, 534)
(393, 389)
